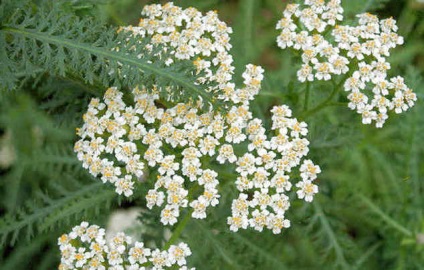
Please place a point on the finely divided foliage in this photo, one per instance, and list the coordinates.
(64, 44)
(200, 142)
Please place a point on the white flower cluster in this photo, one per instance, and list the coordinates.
(187, 34)
(86, 248)
(265, 171)
(171, 141)
(179, 142)
(358, 51)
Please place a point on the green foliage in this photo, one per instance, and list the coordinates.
(46, 214)
(61, 43)
(56, 57)
(40, 155)
(362, 6)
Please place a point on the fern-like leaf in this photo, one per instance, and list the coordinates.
(49, 213)
(331, 237)
(61, 43)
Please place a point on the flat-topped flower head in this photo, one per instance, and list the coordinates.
(329, 49)
(179, 144)
(87, 248)
(187, 34)
(120, 141)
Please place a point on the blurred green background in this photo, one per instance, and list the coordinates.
(368, 214)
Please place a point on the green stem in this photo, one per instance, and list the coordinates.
(327, 101)
(178, 230)
(183, 223)
(321, 105)
(385, 217)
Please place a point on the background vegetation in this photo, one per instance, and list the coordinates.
(368, 214)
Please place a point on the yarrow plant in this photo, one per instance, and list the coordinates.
(86, 247)
(174, 136)
(183, 138)
(177, 142)
(180, 142)
(358, 52)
